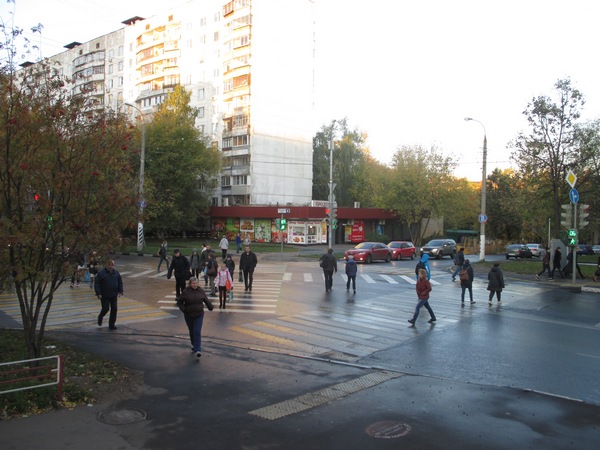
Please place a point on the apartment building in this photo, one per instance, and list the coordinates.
(249, 67)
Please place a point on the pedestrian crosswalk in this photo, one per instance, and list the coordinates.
(79, 307)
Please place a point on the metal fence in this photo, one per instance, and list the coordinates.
(30, 374)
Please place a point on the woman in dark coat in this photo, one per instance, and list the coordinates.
(191, 303)
(468, 283)
(495, 283)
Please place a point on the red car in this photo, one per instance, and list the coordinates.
(403, 249)
(370, 251)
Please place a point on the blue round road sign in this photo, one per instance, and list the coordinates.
(574, 195)
(482, 218)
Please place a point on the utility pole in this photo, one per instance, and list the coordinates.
(331, 186)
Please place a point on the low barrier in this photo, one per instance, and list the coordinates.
(17, 372)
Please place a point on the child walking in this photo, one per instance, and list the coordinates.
(223, 276)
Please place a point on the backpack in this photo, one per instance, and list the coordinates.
(463, 275)
(162, 251)
(420, 265)
(212, 267)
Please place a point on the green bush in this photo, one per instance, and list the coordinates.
(377, 237)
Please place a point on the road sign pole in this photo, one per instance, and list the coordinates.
(574, 249)
(281, 238)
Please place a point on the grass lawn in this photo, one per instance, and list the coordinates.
(188, 245)
(534, 266)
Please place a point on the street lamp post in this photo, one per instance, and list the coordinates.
(482, 217)
(140, 233)
(331, 187)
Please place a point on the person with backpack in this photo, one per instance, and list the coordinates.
(328, 263)
(466, 281)
(423, 289)
(212, 268)
(351, 270)
(423, 264)
(459, 261)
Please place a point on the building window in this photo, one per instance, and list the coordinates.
(111, 53)
(216, 36)
(201, 112)
(110, 68)
(225, 181)
(240, 121)
(240, 180)
(239, 141)
(201, 94)
(120, 66)
(120, 52)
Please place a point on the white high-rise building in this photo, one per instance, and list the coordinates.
(249, 67)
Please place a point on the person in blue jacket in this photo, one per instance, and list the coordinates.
(351, 270)
(423, 264)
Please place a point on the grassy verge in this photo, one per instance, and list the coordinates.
(87, 377)
(534, 266)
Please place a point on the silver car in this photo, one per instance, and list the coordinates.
(537, 250)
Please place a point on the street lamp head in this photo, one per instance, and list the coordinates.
(468, 118)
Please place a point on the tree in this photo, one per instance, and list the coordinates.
(556, 143)
(66, 181)
(349, 154)
(180, 166)
(420, 187)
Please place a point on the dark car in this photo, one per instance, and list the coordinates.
(518, 251)
(584, 249)
(438, 248)
(403, 249)
(369, 252)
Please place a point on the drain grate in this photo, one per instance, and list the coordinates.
(122, 416)
(323, 396)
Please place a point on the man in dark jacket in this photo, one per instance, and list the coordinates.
(248, 262)
(108, 287)
(329, 265)
(204, 257)
(556, 263)
(459, 261)
(495, 283)
(180, 267)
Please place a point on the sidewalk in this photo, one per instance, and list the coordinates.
(239, 398)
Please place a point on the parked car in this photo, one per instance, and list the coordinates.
(403, 249)
(538, 250)
(584, 249)
(518, 251)
(438, 248)
(370, 251)
(596, 249)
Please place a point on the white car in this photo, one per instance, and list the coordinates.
(537, 250)
(596, 249)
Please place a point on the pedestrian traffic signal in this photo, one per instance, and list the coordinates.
(583, 215)
(277, 224)
(49, 220)
(335, 224)
(567, 216)
(36, 197)
(571, 238)
(283, 224)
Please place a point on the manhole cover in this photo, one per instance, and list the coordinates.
(389, 429)
(122, 416)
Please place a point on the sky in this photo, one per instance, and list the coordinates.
(405, 72)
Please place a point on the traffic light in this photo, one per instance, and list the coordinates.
(282, 224)
(36, 197)
(583, 215)
(277, 224)
(571, 238)
(49, 220)
(327, 215)
(567, 216)
(335, 223)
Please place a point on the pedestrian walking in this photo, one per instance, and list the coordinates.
(191, 303)
(78, 263)
(93, 267)
(556, 263)
(466, 281)
(224, 246)
(248, 262)
(180, 268)
(351, 269)
(569, 267)
(212, 268)
(195, 263)
(329, 264)
(495, 283)
(238, 242)
(230, 263)
(423, 289)
(224, 282)
(204, 257)
(247, 241)
(545, 264)
(163, 255)
(423, 264)
(459, 262)
(108, 287)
